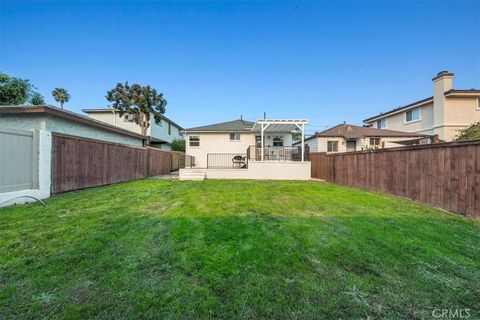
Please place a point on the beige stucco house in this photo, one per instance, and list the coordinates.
(261, 149)
(160, 134)
(444, 113)
(232, 137)
(347, 138)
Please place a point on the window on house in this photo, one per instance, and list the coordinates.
(169, 128)
(332, 146)
(478, 104)
(382, 123)
(412, 115)
(234, 136)
(194, 141)
(375, 141)
(278, 141)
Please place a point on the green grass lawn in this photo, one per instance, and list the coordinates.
(235, 249)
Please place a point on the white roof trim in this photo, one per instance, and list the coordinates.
(279, 125)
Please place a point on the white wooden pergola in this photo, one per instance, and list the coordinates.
(280, 125)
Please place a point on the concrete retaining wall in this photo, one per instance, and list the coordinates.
(268, 170)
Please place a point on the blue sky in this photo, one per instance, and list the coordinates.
(214, 61)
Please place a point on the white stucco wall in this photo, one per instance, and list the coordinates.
(158, 131)
(44, 174)
(60, 125)
(115, 120)
(217, 143)
(221, 143)
(268, 170)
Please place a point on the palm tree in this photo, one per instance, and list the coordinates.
(61, 95)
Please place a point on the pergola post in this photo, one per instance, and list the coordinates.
(302, 147)
(264, 126)
(261, 143)
(303, 142)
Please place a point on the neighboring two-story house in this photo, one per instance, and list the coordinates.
(161, 134)
(443, 114)
(347, 138)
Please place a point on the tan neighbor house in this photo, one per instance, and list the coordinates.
(444, 113)
(347, 138)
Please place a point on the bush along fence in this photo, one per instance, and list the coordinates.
(79, 163)
(445, 175)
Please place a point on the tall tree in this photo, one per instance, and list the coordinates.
(37, 99)
(141, 102)
(61, 95)
(14, 91)
(470, 133)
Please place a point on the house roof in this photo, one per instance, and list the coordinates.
(398, 109)
(238, 125)
(461, 93)
(449, 93)
(349, 131)
(68, 115)
(107, 110)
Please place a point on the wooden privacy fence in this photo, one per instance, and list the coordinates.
(445, 175)
(79, 163)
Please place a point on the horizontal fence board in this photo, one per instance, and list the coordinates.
(445, 175)
(79, 163)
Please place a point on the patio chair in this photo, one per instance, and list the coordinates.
(239, 160)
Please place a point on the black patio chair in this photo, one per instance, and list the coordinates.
(240, 160)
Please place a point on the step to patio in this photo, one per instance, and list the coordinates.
(192, 174)
(174, 175)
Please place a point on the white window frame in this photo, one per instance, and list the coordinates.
(478, 103)
(380, 121)
(236, 136)
(280, 140)
(413, 120)
(197, 141)
(332, 142)
(374, 138)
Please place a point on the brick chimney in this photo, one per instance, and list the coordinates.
(442, 82)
